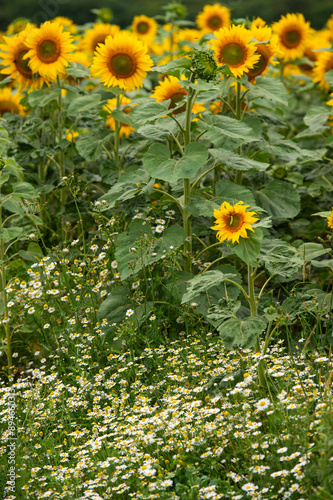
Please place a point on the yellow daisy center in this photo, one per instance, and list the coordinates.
(142, 27)
(48, 51)
(214, 22)
(291, 38)
(22, 65)
(122, 65)
(233, 54)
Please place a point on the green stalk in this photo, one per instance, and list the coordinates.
(117, 134)
(238, 116)
(61, 156)
(253, 307)
(187, 217)
(5, 300)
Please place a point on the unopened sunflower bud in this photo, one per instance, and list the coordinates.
(203, 64)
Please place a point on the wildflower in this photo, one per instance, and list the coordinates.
(233, 221)
(263, 404)
(129, 312)
(159, 229)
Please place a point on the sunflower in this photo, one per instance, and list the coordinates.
(266, 51)
(171, 88)
(17, 25)
(145, 28)
(123, 60)
(330, 220)
(49, 50)
(323, 64)
(213, 18)
(293, 32)
(16, 66)
(10, 103)
(66, 23)
(97, 35)
(258, 23)
(233, 47)
(233, 221)
(111, 104)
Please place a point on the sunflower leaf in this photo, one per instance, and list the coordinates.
(204, 282)
(243, 333)
(248, 248)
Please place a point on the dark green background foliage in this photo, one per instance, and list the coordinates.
(80, 10)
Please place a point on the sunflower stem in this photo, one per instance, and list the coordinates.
(187, 217)
(3, 293)
(61, 156)
(253, 307)
(117, 135)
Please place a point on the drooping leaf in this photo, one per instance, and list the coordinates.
(237, 162)
(280, 199)
(280, 258)
(243, 333)
(204, 282)
(24, 190)
(89, 147)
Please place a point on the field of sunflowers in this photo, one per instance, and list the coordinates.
(166, 258)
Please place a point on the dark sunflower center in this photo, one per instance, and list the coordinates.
(215, 22)
(142, 27)
(122, 65)
(175, 99)
(259, 66)
(233, 54)
(22, 65)
(234, 221)
(292, 39)
(8, 107)
(48, 51)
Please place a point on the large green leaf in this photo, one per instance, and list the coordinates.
(10, 233)
(232, 193)
(13, 168)
(82, 104)
(248, 248)
(158, 164)
(269, 88)
(290, 151)
(237, 162)
(114, 307)
(311, 250)
(147, 249)
(243, 333)
(149, 111)
(317, 116)
(40, 98)
(24, 190)
(280, 199)
(89, 147)
(218, 125)
(13, 203)
(201, 207)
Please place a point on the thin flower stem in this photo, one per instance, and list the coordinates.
(117, 134)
